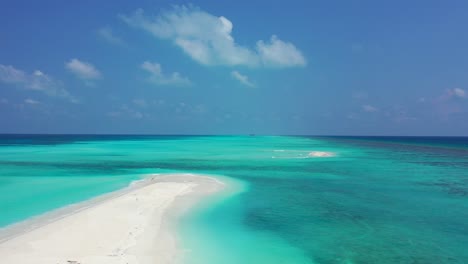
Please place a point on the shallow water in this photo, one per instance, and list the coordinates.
(377, 200)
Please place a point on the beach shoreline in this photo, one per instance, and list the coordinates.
(132, 225)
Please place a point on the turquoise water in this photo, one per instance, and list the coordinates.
(378, 200)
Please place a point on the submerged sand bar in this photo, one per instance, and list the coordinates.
(133, 225)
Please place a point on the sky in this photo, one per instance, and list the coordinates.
(234, 67)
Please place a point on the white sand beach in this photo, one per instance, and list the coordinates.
(133, 225)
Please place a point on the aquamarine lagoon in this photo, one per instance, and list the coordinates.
(371, 200)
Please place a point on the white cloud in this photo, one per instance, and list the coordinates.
(10, 74)
(278, 53)
(107, 34)
(83, 70)
(208, 39)
(369, 108)
(140, 102)
(31, 101)
(242, 78)
(451, 94)
(459, 92)
(158, 77)
(36, 81)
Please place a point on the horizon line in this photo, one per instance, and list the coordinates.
(201, 135)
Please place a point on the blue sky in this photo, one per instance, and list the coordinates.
(227, 67)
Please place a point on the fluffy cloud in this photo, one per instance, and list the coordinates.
(242, 78)
(107, 34)
(208, 39)
(278, 53)
(10, 74)
(451, 95)
(36, 81)
(460, 93)
(158, 77)
(83, 70)
(369, 108)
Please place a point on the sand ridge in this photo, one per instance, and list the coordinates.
(133, 226)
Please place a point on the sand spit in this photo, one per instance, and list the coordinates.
(131, 226)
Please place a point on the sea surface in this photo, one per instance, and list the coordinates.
(375, 200)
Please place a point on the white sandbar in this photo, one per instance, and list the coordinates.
(133, 225)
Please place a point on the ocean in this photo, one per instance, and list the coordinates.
(374, 200)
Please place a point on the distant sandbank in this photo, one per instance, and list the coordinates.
(134, 225)
(301, 154)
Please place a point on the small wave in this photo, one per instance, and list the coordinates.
(321, 154)
(301, 154)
